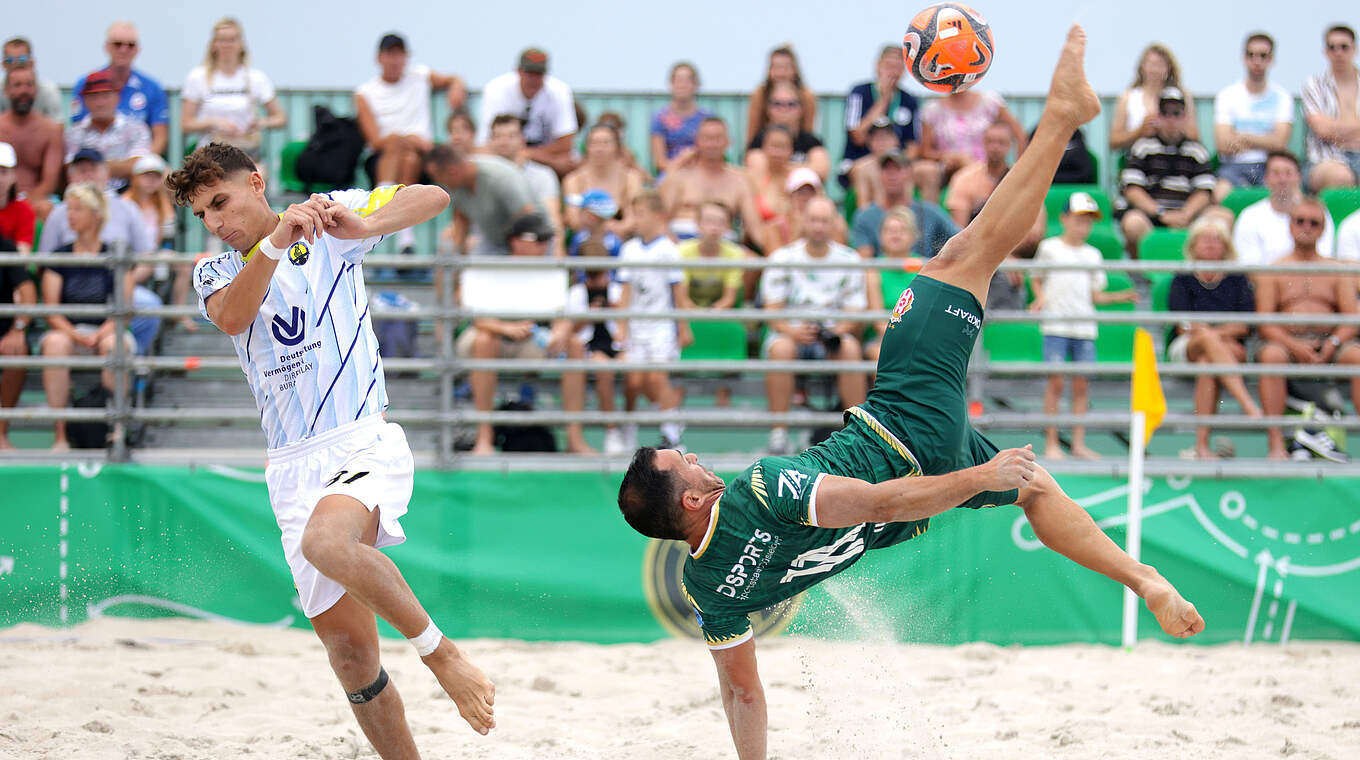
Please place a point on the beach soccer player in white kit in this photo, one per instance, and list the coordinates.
(339, 475)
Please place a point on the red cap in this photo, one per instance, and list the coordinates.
(99, 81)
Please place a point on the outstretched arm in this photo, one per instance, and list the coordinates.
(743, 698)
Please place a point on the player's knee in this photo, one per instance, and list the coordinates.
(323, 548)
(1038, 491)
(353, 659)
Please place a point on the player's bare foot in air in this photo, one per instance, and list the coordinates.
(1071, 96)
(1176, 616)
(465, 684)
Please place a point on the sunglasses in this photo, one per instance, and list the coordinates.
(784, 103)
(124, 44)
(18, 60)
(1307, 221)
(1174, 113)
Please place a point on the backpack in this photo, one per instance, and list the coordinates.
(332, 152)
(523, 438)
(93, 434)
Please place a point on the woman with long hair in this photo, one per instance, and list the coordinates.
(783, 67)
(605, 168)
(1135, 112)
(675, 125)
(785, 109)
(223, 96)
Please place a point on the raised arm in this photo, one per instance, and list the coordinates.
(743, 698)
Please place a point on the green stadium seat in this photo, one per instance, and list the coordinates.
(1160, 290)
(1013, 341)
(1241, 197)
(1341, 201)
(1163, 245)
(1056, 200)
(288, 167)
(719, 340)
(1117, 282)
(1114, 343)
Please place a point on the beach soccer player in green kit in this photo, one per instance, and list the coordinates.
(907, 453)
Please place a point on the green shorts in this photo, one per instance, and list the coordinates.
(919, 395)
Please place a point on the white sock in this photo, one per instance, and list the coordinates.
(406, 238)
(672, 430)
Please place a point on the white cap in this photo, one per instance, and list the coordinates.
(1082, 203)
(802, 176)
(151, 163)
(8, 159)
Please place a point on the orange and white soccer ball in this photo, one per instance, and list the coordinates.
(948, 47)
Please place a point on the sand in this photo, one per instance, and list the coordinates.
(186, 689)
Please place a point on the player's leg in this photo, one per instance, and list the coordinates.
(970, 258)
(338, 542)
(349, 632)
(1063, 526)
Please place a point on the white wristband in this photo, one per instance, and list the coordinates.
(428, 640)
(268, 248)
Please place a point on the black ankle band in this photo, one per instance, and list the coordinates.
(369, 692)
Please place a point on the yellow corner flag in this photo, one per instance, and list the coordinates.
(1147, 385)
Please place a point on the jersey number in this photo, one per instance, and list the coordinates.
(348, 480)
(824, 559)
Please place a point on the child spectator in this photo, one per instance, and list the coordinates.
(714, 289)
(596, 293)
(1071, 293)
(595, 208)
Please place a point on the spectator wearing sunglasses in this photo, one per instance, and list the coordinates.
(140, 96)
(1334, 135)
(18, 54)
(1261, 234)
(1251, 118)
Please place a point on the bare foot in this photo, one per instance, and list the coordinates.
(61, 446)
(1203, 451)
(1082, 452)
(1278, 455)
(1176, 616)
(1070, 97)
(465, 684)
(580, 447)
(4, 443)
(483, 449)
(1053, 451)
(188, 325)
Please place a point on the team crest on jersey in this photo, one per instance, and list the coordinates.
(298, 253)
(903, 306)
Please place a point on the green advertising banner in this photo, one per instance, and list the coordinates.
(546, 556)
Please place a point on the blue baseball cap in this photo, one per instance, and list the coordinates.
(596, 201)
(87, 154)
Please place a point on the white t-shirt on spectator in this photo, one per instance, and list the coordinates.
(549, 115)
(650, 287)
(1348, 238)
(401, 107)
(1067, 293)
(1252, 115)
(543, 181)
(1261, 234)
(841, 289)
(235, 98)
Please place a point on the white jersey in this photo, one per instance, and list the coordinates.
(310, 356)
(650, 289)
(837, 289)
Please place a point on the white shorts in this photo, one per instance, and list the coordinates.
(369, 460)
(653, 347)
(1177, 350)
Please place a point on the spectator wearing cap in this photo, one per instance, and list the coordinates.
(544, 102)
(139, 96)
(119, 138)
(507, 141)
(36, 140)
(868, 186)
(605, 168)
(933, 223)
(17, 219)
(1167, 179)
(1332, 111)
(486, 193)
(675, 124)
(393, 109)
(223, 96)
(785, 109)
(802, 186)
(1071, 293)
(704, 176)
(1261, 233)
(594, 209)
(18, 54)
(1252, 118)
(528, 234)
(880, 102)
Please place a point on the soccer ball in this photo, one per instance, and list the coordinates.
(948, 47)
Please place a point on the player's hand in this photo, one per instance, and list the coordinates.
(341, 222)
(298, 221)
(1012, 468)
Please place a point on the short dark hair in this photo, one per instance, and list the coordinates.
(461, 113)
(1342, 28)
(772, 128)
(507, 118)
(1284, 155)
(1259, 37)
(206, 165)
(444, 155)
(649, 498)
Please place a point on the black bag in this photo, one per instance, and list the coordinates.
(332, 152)
(90, 435)
(523, 438)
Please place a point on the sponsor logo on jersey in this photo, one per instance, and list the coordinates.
(967, 316)
(903, 306)
(298, 253)
(793, 481)
(290, 332)
(663, 567)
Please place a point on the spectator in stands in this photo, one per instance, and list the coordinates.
(652, 339)
(1251, 119)
(714, 289)
(119, 138)
(676, 124)
(896, 236)
(489, 338)
(487, 193)
(1167, 179)
(87, 208)
(596, 209)
(1211, 344)
(37, 141)
(785, 109)
(1137, 110)
(462, 131)
(18, 52)
(393, 109)
(1219, 213)
(615, 120)
(544, 102)
(1348, 239)
(802, 186)
(16, 287)
(952, 128)
(507, 141)
(882, 102)
(140, 96)
(597, 292)
(837, 290)
(864, 177)
(17, 219)
(148, 193)
(769, 180)
(222, 96)
(1071, 293)
(973, 185)
(122, 229)
(1304, 294)
(1262, 232)
(605, 168)
(783, 67)
(706, 176)
(1334, 129)
(932, 222)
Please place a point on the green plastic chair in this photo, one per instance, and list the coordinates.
(1160, 289)
(1013, 342)
(1114, 343)
(1341, 202)
(1163, 245)
(1241, 197)
(718, 340)
(288, 177)
(1056, 200)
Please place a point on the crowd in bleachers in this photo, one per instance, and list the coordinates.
(530, 174)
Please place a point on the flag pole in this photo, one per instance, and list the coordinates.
(1134, 545)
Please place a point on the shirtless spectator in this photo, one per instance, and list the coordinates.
(37, 140)
(1304, 294)
(784, 109)
(119, 138)
(934, 226)
(1261, 234)
(706, 176)
(1331, 107)
(881, 102)
(605, 168)
(783, 67)
(544, 102)
(18, 52)
(507, 141)
(140, 97)
(974, 183)
(864, 176)
(1167, 179)
(1251, 119)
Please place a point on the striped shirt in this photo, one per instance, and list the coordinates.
(310, 356)
(1169, 172)
(1319, 96)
